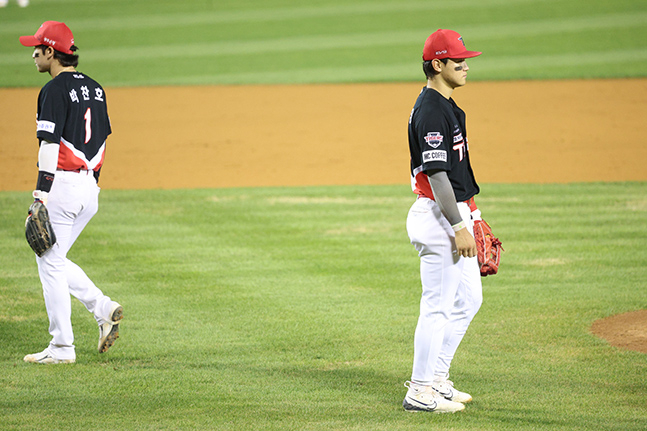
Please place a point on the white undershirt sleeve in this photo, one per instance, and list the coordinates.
(48, 156)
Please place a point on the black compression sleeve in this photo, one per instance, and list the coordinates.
(444, 196)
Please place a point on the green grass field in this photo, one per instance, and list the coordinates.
(164, 42)
(294, 308)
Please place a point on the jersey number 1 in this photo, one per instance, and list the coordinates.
(88, 125)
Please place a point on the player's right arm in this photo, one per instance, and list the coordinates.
(47, 163)
(52, 113)
(446, 200)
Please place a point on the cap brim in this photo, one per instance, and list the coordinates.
(464, 54)
(29, 41)
(469, 54)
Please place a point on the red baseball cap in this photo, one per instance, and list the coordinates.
(51, 33)
(446, 44)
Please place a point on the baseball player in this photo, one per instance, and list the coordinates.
(440, 225)
(72, 127)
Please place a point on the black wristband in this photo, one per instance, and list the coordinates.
(45, 181)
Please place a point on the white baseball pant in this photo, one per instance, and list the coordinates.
(451, 289)
(72, 202)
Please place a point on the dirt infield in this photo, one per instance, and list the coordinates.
(627, 331)
(186, 137)
(246, 136)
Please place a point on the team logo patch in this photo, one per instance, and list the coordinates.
(434, 156)
(434, 139)
(45, 126)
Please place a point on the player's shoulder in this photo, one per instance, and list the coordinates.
(432, 99)
(61, 81)
(432, 104)
(74, 78)
(54, 86)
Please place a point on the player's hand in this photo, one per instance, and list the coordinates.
(30, 211)
(465, 243)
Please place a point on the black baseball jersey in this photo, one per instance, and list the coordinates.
(438, 141)
(72, 110)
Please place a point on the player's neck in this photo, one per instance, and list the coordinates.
(57, 69)
(441, 87)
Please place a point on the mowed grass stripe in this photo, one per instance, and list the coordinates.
(293, 76)
(146, 21)
(567, 59)
(502, 67)
(265, 46)
(560, 25)
(622, 21)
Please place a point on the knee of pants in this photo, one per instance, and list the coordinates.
(432, 322)
(433, 309)
(473, 306)
(52, 261)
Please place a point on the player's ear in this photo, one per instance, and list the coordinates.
(436, 64)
